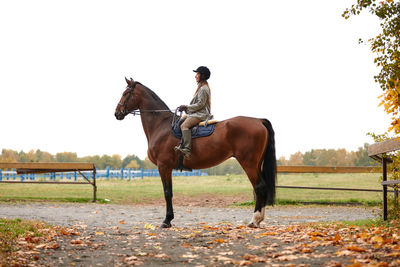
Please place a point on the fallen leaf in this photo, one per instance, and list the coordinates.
(355, 248)
(163, 256)
(288, 258)
(149, 226)
(377, 239)
(52, 246)
(333, 264)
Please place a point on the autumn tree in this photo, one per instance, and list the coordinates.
(8, 155)
(282, 161)
(133, 164)
(43, 156)
(386, 47)
(128, 159)
(66, 157)
(296, 159)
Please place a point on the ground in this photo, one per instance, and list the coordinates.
(205, 233)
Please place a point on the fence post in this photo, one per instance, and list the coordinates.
(107, 174)
(384, 178)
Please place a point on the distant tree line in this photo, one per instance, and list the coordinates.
(330, 157)
(115, 161)
(315, 157)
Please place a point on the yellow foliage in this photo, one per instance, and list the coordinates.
(390, 100)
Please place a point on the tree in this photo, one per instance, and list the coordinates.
(133, 165)
(114, 161)
(386, 46)
(296, 159)
(44, 156)
(310, 158)
(282, 161)
(129, 159)
(8, 155)
(66, 157)
(362, 158)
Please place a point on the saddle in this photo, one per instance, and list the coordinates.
(203, 129)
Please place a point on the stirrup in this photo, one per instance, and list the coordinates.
(186, 153)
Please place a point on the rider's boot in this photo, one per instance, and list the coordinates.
(187, 143)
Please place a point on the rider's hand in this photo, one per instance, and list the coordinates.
(182, 108)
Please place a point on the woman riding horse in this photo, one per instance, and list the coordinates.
(198, 110)
(250, 140)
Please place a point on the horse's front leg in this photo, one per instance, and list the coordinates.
(166, 178)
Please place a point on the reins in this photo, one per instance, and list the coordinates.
(175, 111)
(137, 112)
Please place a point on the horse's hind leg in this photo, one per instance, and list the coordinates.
(260, 198)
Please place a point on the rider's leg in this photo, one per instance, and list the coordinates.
(187, 135)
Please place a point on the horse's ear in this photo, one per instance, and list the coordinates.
(127, 81)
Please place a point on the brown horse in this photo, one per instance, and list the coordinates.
(249, 140)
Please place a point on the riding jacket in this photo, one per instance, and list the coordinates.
(200, 106)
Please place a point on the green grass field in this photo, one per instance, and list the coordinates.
(150, 188)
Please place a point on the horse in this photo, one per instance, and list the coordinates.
(250, 140)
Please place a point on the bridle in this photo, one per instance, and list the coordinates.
(138, 112)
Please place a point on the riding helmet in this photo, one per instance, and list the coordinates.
(204, 73)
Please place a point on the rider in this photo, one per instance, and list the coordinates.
(198, 110)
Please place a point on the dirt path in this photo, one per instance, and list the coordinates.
(113, 235)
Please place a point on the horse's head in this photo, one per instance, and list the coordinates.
(127, 104)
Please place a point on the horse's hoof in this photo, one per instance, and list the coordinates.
(253, 225)
(165, 225)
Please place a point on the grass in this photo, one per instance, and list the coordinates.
(18, 235)
(10, 231)
(17, 227)
(150, 188)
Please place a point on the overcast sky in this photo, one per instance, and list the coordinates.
(296, 63)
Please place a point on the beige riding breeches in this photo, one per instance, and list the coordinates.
(189, 123)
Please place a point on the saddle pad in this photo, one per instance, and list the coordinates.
(197, 131)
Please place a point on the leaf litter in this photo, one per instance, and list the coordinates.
(205, 244)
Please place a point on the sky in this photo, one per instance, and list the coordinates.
(296, 63)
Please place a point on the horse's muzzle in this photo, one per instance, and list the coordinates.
(119, 115)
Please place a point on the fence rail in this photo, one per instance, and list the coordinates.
(108, 173)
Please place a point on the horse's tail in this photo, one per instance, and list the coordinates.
(268, 169)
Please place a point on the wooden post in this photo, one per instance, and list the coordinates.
(384, 178)
(94, 185)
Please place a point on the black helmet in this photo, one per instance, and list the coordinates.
(204, 73)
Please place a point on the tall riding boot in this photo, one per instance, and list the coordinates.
(187, 143)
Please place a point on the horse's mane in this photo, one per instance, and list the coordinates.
(155, 97)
